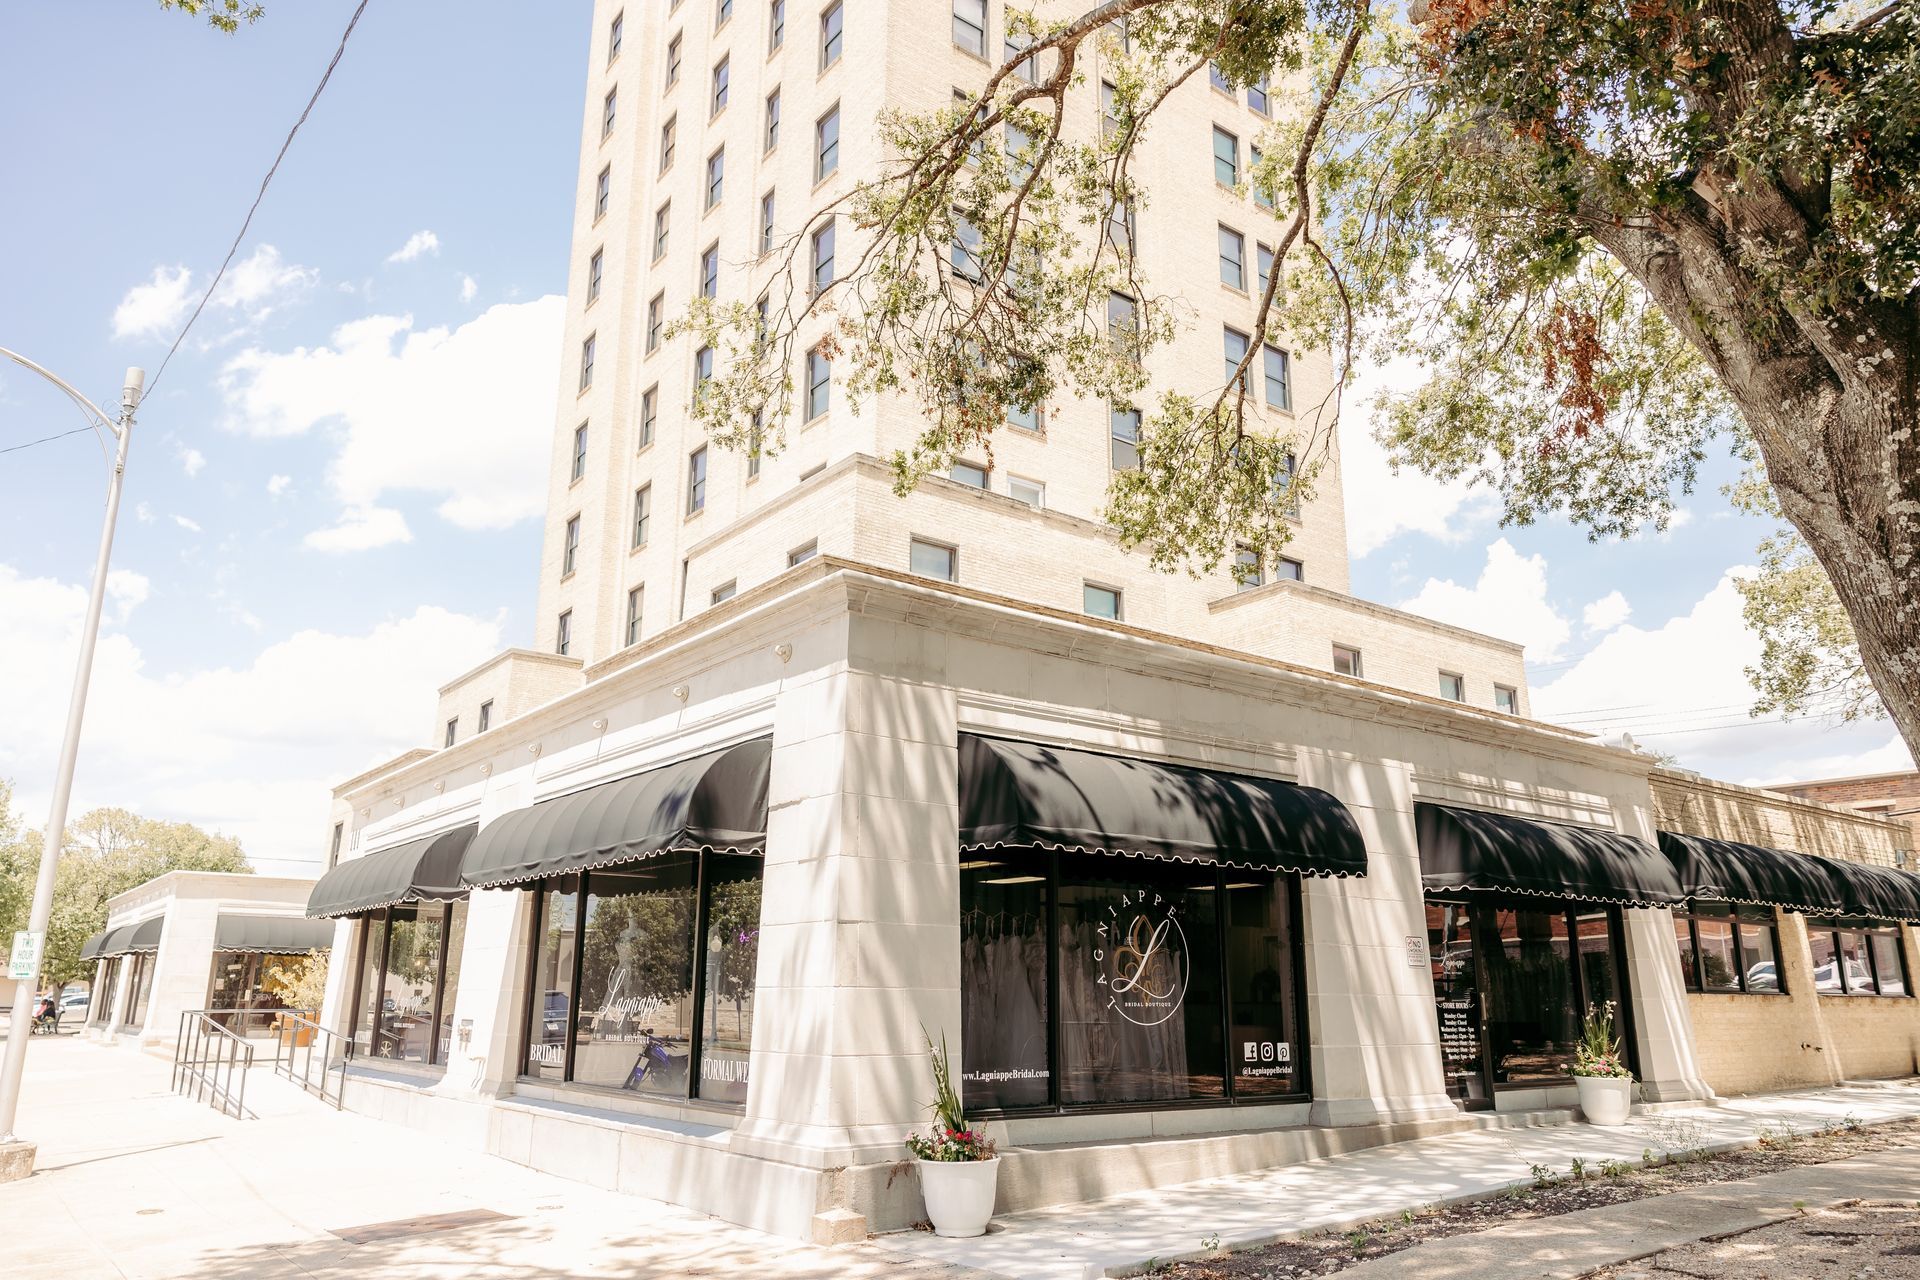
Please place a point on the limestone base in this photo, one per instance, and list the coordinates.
(16, 1160)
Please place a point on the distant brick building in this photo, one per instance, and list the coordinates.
(1884, 795)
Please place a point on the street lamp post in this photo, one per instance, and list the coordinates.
(13, 1066)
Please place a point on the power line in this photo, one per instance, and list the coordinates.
(258, 197)
(46, 439)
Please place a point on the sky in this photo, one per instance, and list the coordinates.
(333, 494)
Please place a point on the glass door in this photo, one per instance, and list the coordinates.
(1456, 995)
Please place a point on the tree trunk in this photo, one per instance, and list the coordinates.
(1830, 400)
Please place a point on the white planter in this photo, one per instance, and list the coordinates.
(959, 1194)
(1605, 1099)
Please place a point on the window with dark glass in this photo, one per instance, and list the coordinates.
(1728, 947)
(776, 24)
(832, 19)
(1279, 377)
(409, 970)
(586, 362)
(1100, 602)
(482, 725)
(1091, 980)
(716, 176)
(615, 31)
(579, 451)
(643, 977)
(721, 79)
(563, 633)
(1858, 957)
(673, 62)
(1346, 661)
(826, 141)
(1233, 258)
(607, 112)
(770, 135)
(1257, 95)
(453, 729)
(1226, 158)
(596, 266)
(602, 191)
(1123, 427)
(970, 25)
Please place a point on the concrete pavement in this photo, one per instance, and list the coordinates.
(134, 1182)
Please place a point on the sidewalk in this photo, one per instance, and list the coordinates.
(1073, 1242)
(134, 1182)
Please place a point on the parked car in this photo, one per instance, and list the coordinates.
(73, 1000)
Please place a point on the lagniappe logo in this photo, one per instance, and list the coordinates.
(1141, 958)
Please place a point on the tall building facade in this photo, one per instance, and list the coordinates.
(717, 130)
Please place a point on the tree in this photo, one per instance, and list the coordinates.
(107, 852)
(221, 15)
(1613, 235)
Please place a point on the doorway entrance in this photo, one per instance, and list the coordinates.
(1512, 980)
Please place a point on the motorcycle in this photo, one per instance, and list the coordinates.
(656, 1067)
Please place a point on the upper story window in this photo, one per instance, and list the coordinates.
(453, 729)
(1507, 699)
(642, 514)
(1123, 325)
(1122, 234)
(649, 414)
(721, 12)
(721, 76)
(570, 554)
(831, 20)
(1012, 47)
(826, 144)
(1226, 158)
(586, 362)
(1248, 573)
(1263, 258)
(770, 136)
(634, 599)
(702, 371)
(1278, 377)
(603, 192)
(1109, 109)
(716, 176)
(1031, 492)
(595, 266)
(616, 30)
(1289, 569)
(1101, 602)
(1233, 351)
(1453, 687)
(662, 219)
(609, 109)
(970, 25)
(1025, 417)
(669, 136)
(725, 591)
(965, 251)
(1233, 258)
(339, 835)
(776, 24)
(1218, 78)
(697, 480)
(1262, 194)
(1346, 661)
(563, 633)
(656, 318)
(819, 383)
(710, 271)
(1257, 96)
(800, 555)
(1727, 947)
(932, 560)
(580, 451)
(969, 473)
(486, 717)
(1123, 425)
(766, 222)
(823, 256)
(673, 62)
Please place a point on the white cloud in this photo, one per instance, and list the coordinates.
(1606, 613)
(154, 309)
(143, 513)
(418, 244)
(278, 485)
(461, 413)
(128, 591)
(250, 750)
(361, 529)
(191, 461)
(191, 526)
(468, 288)
(1509, 601)
(1383, 504)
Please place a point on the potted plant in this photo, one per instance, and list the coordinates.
(1600, 1072)
(959, 1173)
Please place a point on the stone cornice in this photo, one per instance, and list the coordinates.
(1340, 600)
(512, 655)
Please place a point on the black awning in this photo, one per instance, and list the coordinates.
(1727, 871)
(423, 870)
(274, 935)
(1881, 892)
(114, 943)
(1023, 794)
(145, 936)
(90, 949)
(1467, 849)
(717, 801)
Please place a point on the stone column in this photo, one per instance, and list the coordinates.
(336, 1008)
(860, 925)
(1370, 1012)
(493, 968)
(1662, 1022)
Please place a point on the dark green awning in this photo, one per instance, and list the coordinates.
(145, 936)
(114, 943)
(274, 935)
(423, 870)
(90, 949)
(1881, 892)
(1727, 871)
(717, 801)
(1467, 849)
(1024, 794)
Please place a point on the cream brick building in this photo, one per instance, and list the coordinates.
(669, 908)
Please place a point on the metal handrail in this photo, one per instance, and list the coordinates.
(290, 1063)
(207, 1059)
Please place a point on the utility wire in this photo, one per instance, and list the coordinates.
(258, 197)
(12, 448)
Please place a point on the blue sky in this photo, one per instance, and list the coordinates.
(328, 504)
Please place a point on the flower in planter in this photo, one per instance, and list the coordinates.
(949, 1138)
(1598, 1053)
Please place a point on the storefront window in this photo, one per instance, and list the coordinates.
(663, 943)
(1175, 982)
(407, 980)
(1728, 947)
(102, 1007)
(1456, 991)
(558, 909)
(1532, 1011)
(732, 967)
(1857, 958)
(143, 967)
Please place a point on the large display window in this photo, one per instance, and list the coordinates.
(1728, 947)
(1512, 981)
(1857, 957)
(407, 972)
(1092, 981)
(642, 977)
